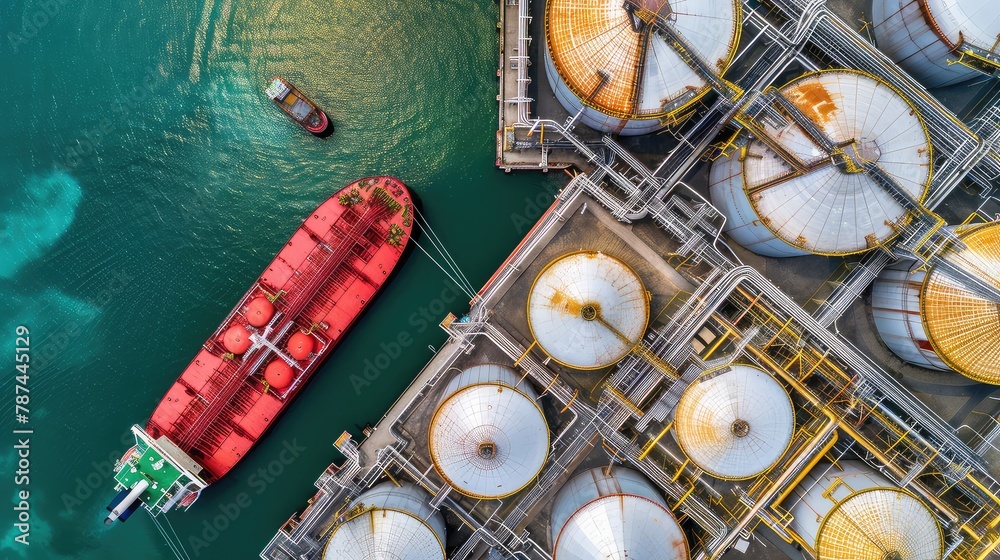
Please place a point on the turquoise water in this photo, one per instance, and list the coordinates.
(145, 181)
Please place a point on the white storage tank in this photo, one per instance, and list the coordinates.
(618, 514)
(778, 209)
(734, 423)
(848, 511)
(930, 320)
(927, 37)
(626, 81)
(389, 521)
(587, 310)
(488, 438)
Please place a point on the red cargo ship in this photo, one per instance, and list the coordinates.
(263, 353)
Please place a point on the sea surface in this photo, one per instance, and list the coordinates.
(145, 182)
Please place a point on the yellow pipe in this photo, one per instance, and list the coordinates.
(715, 345)
(821, 360)
(777, 334)
(680, 469)
(393, 479)
(805, 470)
(965, 527)
(526, 350)
(549, 386)
(652, 443)
(684, 497)
(854, 434)
(525, 376)
(612, 450)
(989, 549)
(570, 403)
(983, 488)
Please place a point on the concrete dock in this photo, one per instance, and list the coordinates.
(619, 415)
(805, 321)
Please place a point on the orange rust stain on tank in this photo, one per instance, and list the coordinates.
(568, 305)
(815, 102)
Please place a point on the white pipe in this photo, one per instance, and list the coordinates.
(123, 505)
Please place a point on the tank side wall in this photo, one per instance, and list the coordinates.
(811, 500)
(742, 224)
(896, 311)
(905, 35)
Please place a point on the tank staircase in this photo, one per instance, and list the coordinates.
(733, 97)
(694, 60)
(837, 152)
(787, 107)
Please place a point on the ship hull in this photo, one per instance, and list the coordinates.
(318, 285)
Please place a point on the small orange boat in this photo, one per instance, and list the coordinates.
(298, 107)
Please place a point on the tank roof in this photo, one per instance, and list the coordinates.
(636, 74)
(880, 524)
(389, 522)
(825, 208)
(734, 424)
(962, 326)
(587, 310)
(488, 440)
(614, 515)
(974, 21)
(488, 373)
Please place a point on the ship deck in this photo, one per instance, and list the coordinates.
(152, 467)
(319, 283)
